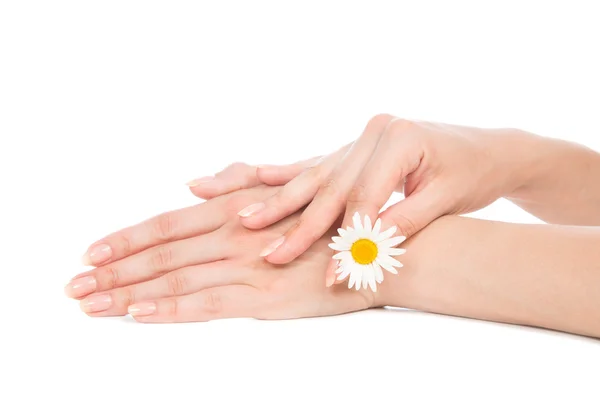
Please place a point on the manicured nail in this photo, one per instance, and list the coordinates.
(252, 209)
(80, 287)
(272, 247)
(141, 309)
(330, 276)
(98, 302)
(200, 181)
(97, 254)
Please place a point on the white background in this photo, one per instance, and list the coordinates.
(108, 107)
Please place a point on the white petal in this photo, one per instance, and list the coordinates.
(387, 234)
(378, 272)
(392, 251)
(392, 242)
(372, 283)
(356, 221)
(383, 259)
(352, 279)
(339, 246)
(349, 229)
(344, 274)
(337, 239)
(344, 255)
(342, 232)
(376, 228)
(389, 268)
(365, 277)
(368, 227)
(358, 270)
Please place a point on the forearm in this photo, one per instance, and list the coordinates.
(559, 181)
(539, 275)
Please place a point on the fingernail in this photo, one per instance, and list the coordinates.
(80, 287)
(141, 309)
(272, 247)
(252, 209)
(199, 181)
(99, 302)
(97, 254)
(330, 273)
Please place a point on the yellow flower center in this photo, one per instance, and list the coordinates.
(364, 251)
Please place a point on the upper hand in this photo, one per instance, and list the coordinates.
(442, 169)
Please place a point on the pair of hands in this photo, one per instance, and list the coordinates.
(204, 262)
(441, 169)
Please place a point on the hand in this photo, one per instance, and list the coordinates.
(200, 263)
(442, 169)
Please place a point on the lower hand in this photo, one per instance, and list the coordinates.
(200, 264)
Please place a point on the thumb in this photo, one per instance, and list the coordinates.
(409, 216)
(415, 212)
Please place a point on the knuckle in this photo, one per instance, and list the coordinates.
(358, 194)
(281, 200)
(171, 307)
(176, 284)
(212, 303)
(124, 297)
(406, 227)
(330, 189)
(379, 121)
(161, 259)
(163, 227)
(112, 277)
(399, 127)
(124, 244)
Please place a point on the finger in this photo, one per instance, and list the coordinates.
(236, 301)
(398, 154)
(235, 177)
(277, 175)
(170, 226)
(330, 199)
(409, 215)
(154, 262)
(416, 211)
(291, 197)
(180, 282)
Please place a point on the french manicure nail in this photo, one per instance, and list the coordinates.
(80, 287)
(330, 276)
(95, 303)
(272, 247)
(199, 181)
(252, 209)
(97, 254)
(141, 309)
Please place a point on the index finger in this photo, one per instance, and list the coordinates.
(174, 225)
(330, 200)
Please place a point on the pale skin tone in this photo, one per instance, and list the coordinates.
(203, 263)
(442, 169)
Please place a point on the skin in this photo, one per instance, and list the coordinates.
(441, 169)
(169, 270)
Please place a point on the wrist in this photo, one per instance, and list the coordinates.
(516, 158)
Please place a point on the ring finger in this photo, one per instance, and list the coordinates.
(180, 282)
(149, 264)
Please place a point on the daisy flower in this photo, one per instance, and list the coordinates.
(362, 252)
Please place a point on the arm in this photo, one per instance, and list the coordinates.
(560, 180)
(538, 275)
